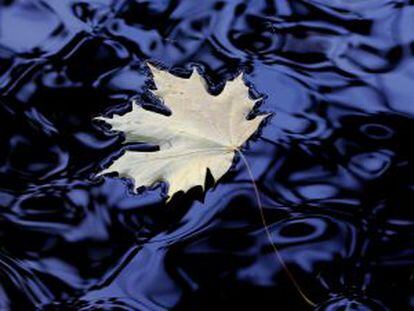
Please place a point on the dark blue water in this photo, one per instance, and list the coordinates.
(334, 165)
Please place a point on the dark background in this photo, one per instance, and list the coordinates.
(333, 165)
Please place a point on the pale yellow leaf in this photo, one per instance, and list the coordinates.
(203, 132)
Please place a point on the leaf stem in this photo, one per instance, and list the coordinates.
(269, 235)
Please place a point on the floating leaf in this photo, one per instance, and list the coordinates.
(203, 132)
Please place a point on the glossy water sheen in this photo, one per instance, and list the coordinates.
(333, 165)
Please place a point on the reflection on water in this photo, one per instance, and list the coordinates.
(333, 164)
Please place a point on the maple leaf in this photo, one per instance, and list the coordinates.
(203, 132)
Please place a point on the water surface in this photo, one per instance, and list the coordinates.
(333, 165)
